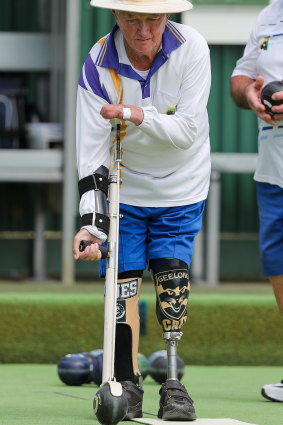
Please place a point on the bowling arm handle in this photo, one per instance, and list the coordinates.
(102, 249)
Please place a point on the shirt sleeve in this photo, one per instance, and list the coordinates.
(182, 129)
(92, 139)
(247, 64)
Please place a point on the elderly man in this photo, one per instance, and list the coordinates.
(154, 75)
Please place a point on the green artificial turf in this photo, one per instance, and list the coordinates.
(228, 328)
(34, 395)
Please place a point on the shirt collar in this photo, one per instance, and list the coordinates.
(108, 57)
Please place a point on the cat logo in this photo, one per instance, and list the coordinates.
(173, 301)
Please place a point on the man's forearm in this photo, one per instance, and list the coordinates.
(239, 84)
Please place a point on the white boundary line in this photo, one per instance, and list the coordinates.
(204, 421)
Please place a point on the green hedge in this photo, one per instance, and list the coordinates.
(221, 329)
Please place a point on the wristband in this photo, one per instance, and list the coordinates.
(127, 113)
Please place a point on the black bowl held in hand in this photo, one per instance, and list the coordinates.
(266, 95)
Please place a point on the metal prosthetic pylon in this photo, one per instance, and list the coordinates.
(172, 339)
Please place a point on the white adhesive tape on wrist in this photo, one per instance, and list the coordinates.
(127, 113)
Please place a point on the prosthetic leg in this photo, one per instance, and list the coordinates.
(127, 341)
(172, 286)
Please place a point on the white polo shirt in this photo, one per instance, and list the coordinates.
(166, 159)
(263, 55)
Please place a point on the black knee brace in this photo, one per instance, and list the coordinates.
(172, 286)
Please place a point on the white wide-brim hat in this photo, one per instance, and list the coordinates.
(144, 6)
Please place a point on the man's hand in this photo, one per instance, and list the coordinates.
(91, 252)
(278, 109)
(116, 111)
(246, 93)
(253, 96)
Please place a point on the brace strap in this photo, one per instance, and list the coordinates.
(98, 182)
(102, 222)
(95, 181)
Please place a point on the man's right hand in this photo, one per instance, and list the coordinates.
(91, 252)
(253, 96)
(246, 93)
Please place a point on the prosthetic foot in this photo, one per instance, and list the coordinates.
(175, 403)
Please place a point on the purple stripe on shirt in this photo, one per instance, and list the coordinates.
(102, 50)
(170, 41)
(81, 81)
(110, 58)
(92, 77)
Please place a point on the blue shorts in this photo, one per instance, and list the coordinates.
(270, 206)
(151, 233)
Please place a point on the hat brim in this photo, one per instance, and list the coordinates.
(138, 6)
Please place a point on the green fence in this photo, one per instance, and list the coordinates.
(22, 15)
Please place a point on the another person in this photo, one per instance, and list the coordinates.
(154, 75)
(262, 63)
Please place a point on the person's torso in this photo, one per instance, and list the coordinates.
(270, 66)
(156, 175)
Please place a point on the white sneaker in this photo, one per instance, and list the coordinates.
(273, 392)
